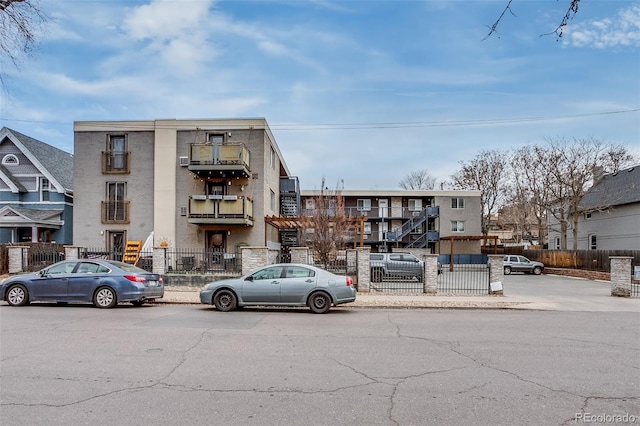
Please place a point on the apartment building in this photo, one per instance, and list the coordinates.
(36, 190)
(412, 219)
(193, 183)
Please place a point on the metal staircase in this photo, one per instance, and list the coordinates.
(410, 225)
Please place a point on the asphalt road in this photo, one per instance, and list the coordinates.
(192, 365)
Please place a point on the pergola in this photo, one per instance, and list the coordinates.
(356, 222)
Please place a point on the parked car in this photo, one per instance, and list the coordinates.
(395, 265)
(514, 263)
(283, 284)
(101, 282)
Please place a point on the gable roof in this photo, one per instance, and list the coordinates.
(56, 162)
(613, 189)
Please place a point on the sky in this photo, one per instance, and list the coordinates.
(357, 93)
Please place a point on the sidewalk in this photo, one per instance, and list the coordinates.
(189, 295)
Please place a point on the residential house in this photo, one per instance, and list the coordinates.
(412, 219)
(36, 190)
(193, 183)
(608, 215)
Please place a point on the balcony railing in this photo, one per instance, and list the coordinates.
(115, 211)
(221, 160)
(220, 209)
(114, 162)
(378, 213)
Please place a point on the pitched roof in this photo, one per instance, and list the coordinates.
(56, 161)
(613, 189)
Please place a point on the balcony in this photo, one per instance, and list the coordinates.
(115, 212)
(116, 162)
(220, 210)
(219, 161)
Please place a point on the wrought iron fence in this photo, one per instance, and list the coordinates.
(465, 278)
(201, 261)
(37, 256)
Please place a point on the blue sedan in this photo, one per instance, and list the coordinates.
(284, 284)
(104, 283)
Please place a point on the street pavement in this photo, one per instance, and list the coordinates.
(526, 292)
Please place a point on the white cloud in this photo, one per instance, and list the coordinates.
(621, 31)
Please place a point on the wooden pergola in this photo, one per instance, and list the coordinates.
(453, 238)
(356, 222)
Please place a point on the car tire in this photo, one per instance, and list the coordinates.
(17, 295)
(319, 303)
(537, 270)
(225, 301)
(507, 270)
(138, 303)
(105, 298)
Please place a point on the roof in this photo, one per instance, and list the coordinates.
(57, 162)
(613, 189)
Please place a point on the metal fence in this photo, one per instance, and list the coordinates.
(466, 274)
(201, 261)
(396, 276)
(37, 256)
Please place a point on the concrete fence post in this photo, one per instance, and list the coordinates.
(430, 283)
(620, 275)
(364, 272)
(159, 260)
(253, 258)
(72, 252)
(17, 256)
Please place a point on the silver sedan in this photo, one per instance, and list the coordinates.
(284, 284)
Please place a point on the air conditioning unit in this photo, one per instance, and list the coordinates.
(416, 213)
(184, 161)
(183, 211)
(363, 213)
(365, 237)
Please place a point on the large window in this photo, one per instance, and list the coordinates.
(457, 203)
(272, 158)
(457, 226)
(367, 228)
(415, 204)
(116, 157)
(592, 242)
(364, 204)
(116, 207)
(273, 201)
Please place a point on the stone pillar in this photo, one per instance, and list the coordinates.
(300, 255)
(159, 260)
(430, 283)
(620, 275)
(364, 271)
(17, 256)
(496, 273)
(352, 262)
(72, 252)
(253, 258)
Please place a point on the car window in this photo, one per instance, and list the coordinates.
(299, 272)
(523, 259)
(410, 258)
(268, 273)
(396, 257)
(61, 268)
(375, 257)
(87, 268)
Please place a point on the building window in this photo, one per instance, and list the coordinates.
(418, 229)
(116, 208)
(457, 203)
(587, 216)
(556, 241)
(273, 201)
(310, 204)
(116, 158)
(592, 242)
(367, 228)
(10, 159)
(457, 226)
(415, 204)
(364, 204)
(216, 139)
(272, 158)
(44, 189)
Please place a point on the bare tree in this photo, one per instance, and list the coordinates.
(325, 227)
(19, 23)
(485, 173)
(418, 180)
(559, 31)
(566, 170)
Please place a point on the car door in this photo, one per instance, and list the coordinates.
(297, 282)
(53, 282)
(263, 286)
(524, 264)
(85, 279)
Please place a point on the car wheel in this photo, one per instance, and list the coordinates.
(225, 301)
(105, 298)
(17, 295)
(319, 303)
(507, 270)
(138, 302)
(537, 270)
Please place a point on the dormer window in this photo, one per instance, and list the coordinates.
(10, 159)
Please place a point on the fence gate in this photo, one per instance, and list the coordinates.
(465, 274)
(635, 281)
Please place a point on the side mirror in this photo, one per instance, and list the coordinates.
(249, 278)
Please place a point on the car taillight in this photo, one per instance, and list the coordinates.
(160, 280)
(135, 278)
(349, 282)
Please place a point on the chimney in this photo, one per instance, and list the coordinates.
(598, 174)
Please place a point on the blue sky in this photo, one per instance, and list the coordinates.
(363, 91)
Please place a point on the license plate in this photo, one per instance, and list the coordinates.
(153, 283)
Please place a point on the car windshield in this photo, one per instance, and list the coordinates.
(127, 267)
